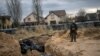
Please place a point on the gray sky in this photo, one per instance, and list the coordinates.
(71, 6)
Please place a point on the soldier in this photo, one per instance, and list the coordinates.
(73, 31)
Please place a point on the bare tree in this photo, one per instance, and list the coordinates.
(14, 10)
(81, 15)
(37, 9)
(81, 12)
(2, 12)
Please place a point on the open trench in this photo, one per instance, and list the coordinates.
(34, 44)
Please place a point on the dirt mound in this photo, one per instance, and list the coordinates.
(91, 31)
(40, 29)
(32, 53)
(58, 46)
(40, 39)
(95, 37)
(23, 33)
(9, 46)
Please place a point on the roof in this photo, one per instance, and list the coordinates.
(5, 17)
(59, 13)
(98, 11)
(31, 14)
(91, 14)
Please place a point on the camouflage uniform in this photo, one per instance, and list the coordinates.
(73, 32)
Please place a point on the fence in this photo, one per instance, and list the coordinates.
(57, 26)
(67, 25)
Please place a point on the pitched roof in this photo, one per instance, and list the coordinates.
(5, 17)
(59, 13)
(98, 11)
(31, 14)
(91, 14)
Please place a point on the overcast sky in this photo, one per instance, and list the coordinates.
(71, 6)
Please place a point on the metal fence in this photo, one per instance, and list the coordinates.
(88, 24)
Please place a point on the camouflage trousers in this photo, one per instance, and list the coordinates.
(73, 37)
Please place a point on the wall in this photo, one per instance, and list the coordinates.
(32, 18)
(55, 18)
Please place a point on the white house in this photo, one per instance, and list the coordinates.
(56, 17)
(31, 19)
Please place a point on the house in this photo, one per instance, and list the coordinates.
(98, 14)
(98, 11)
(91, 17)
(56, 17)
(5, 22)
(80, 19)
(31, 19)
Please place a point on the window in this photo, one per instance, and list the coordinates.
(29, 19)
(52, 22)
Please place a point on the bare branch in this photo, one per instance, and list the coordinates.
(14, 10)
(81, 12)
(37, 9)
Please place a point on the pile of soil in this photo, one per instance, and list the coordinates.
(40, 29)
(20, 34)
(32, 53)
(23, 34)
(91, 31)
(22, 31)
(40, 39)
(8, 45)
(60, 47)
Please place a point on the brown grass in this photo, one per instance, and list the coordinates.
(91, 31)
(32, 53)
(9, 46)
